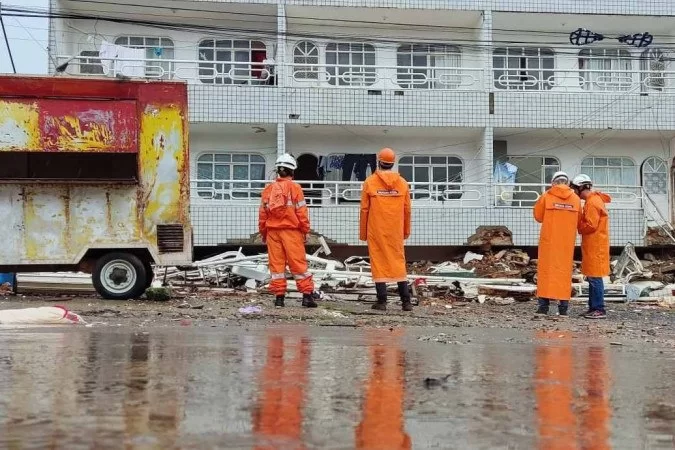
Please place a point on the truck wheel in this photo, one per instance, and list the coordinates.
(119, 276)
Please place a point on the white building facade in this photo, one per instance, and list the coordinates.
(483, 100)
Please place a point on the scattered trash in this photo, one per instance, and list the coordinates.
(471, 256)
(333, 314)
(6, 289)
(45, 315)
(503, 301)
(247, 310)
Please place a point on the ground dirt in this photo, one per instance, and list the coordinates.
(625, 322)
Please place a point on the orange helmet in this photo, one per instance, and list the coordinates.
(386, 156)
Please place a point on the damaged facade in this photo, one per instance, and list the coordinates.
(480, 119)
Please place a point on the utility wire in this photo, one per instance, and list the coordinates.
(4, 32)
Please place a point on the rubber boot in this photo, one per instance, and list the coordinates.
(381, 304)
(279, 301)
(563, 307)
(308, 301)
(543, 306)
(404, 292)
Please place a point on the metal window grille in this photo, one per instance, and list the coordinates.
(652, 70)
(614, 171)
(89, 63)
(420, 170)
(305, 53)
(156, 49)
(428, 66)
(655, 176)
(226, 176)
(605, 69)
(227, 61)
(523, 68)
(350, 64)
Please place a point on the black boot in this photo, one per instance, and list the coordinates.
(563, 307)
(381, 289)
(404, 292)
(279, 301)
(308, 301)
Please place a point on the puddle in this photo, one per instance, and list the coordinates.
(296, 387)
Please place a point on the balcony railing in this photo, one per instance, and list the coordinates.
(452, 195)
(377, 77)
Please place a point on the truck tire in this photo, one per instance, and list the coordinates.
(149, 274)
(119, 276)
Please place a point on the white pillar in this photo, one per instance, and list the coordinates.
(280, 57)
(486, 42)
(281, 138)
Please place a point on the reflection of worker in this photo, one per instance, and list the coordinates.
(277, 420)
(283, 224)
(385, 224)
(382, 425)
(594, 230)
(559, 211)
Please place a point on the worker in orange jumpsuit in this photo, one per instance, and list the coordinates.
(283, 224)
(594, 230)
(385, 224)
(558, 211)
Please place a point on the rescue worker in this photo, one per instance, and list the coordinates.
(594, 230)
(385, 224)
(283, 224)
(559, 211)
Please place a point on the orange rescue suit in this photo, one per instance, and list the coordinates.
(285, 237)
(385, 224)
(559, 212)
(594, 230)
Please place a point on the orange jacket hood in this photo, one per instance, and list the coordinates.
(561, 191)
(388, 177)
(604, 197)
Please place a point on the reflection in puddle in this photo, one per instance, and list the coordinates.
(382, 425)
(304, 387)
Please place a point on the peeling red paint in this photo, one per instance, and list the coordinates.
(84, 125)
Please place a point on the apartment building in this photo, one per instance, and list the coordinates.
(483, 100)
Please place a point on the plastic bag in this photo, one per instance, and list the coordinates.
(45, 315)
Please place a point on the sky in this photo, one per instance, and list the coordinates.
(28, 39)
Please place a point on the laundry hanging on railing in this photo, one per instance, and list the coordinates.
(505, 177)
(117, 59)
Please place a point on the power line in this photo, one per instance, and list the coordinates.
(4, 32)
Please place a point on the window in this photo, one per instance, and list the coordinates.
(305, 53)
(68, 166)
(604, 69)
(655, 176)
(156, 50)
(232, 62)
(523, 68)
(350, 64)
(419, 171)
(532, 178)
(428, 66)
(652, 68)
(90, 63)
(218, 173)
(613, 171)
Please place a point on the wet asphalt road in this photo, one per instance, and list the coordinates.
(291, 387)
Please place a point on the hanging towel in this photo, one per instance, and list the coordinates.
(120, 58)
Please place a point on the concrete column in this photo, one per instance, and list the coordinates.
(281, 138)
(280, 59)
(486, 42)
(486, 158)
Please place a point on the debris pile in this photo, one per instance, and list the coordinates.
(488, 236)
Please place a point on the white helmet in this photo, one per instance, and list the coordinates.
(558, 175)
(582, 179)
(286, 161)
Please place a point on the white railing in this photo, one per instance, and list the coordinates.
(524, 195)
(376, 76)
(592, 80)
(343, 193)
(387, 77)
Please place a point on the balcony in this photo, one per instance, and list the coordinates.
(443, 213)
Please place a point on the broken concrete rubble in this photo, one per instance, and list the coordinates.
(488, 236)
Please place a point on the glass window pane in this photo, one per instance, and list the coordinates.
(239, 158)
(206, 157)
(223, 157)
(257, 158)
(421, 160)
(134, 40)
(222, 172)
(454, 161)
(240, 172)
(455, 174)
(405, 160)
(440, 174)
(406, 172)
(614, 162)
(614, 176)
(439, 160)
(630, 176)
(551, 162)
(587, 162)
(600, 162)
(421, 174)
(204, 171)
(600, 176)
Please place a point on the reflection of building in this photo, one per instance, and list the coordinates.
(382, 423)
(454, 87)
(565, 420)
(278, 418)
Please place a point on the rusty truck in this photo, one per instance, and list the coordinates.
(94, 177)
